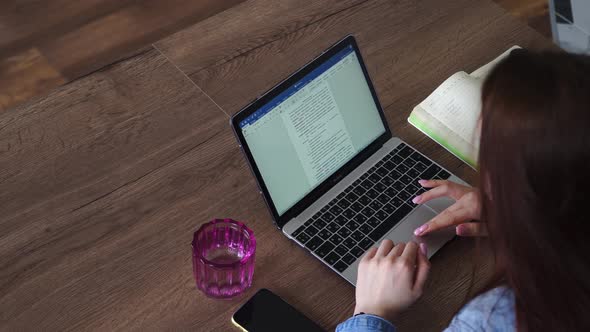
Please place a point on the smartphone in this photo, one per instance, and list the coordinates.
(266, 311)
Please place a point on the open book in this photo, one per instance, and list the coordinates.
(450, 114)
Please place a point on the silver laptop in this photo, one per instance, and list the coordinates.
(334, 178)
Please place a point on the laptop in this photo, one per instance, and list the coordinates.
(335, 179)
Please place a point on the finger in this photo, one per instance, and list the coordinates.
(369, 254)
(431, 183)
(453, 215)
(440, 191)
(422, 271)
(397, 250)
(472, 229)
(410, 251)
(384, 248)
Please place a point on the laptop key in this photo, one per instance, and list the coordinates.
(302, 238)
(373, 222)
(332, 258)
(357, 251)
(364, 200)
(365, 228)
(298, 231)
(383, 198)
(389, 165)
(430, 172)
(328, 216)
(359, 218)
(336, 239)
(366, 184)
(381, 215)
(349, 243)
(335, 210)
(402, 168)
(412, 172)
(324, 249)
(404, 195)
(396, 201)
(394, 175)
(409, 162)
(391, 192)
(389, 208)
(418, 157)
(382, 171)
(356, 207)
(314, 243)
(405, 151)
(376, 205)
(348, 213)
(375, 177)
(340, 220)
(420, 167)
(397, 159)
(324, 234)
(333, 226)
(357, 236)
(444, 174)
(343, 203)
(398, 185)
(344, 232)
(372, 193)
(388, 223)
(366, 243)
(352, 225)
(367, 212)
(341, 250)
(319, 224)
(405, 179)
(359, 191)
(349, 259)
(388, 181)
(340, 266)
(351, 197)
(311, 230)
(380, 187)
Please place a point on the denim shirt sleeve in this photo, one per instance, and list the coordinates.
(492, 311)
(365, 323)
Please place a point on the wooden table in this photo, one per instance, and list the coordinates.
(103, 181)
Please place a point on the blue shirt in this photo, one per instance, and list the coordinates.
(491, 311)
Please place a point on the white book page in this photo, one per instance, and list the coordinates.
(456, 103)
(484, 70)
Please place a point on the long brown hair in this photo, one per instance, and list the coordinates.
(535, 176)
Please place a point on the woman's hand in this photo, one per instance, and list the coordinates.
(466, 208)
(390, 278)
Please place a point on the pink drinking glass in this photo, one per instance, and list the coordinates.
(223, 258)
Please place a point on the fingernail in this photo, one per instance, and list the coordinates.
(424, 249)
(417, 199)
(420, 229)
(460, 230)
(421, 182)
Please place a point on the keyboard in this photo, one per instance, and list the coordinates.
(369, 208)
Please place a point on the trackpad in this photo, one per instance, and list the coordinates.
(440, 204)
(404, 232)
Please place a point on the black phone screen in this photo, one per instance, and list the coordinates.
(266, 311)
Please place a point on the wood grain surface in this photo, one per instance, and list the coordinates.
(103, 182)
(25, 75)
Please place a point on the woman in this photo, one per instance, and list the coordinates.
(535, 175)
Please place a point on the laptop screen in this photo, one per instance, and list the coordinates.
(306, 133)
